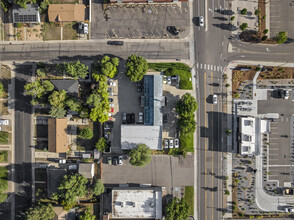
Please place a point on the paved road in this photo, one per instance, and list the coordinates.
(23, 181)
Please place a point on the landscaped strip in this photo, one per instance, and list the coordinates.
(189, 197)
(187, 140)
(172, 69)
(3, 183)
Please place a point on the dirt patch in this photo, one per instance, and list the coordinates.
(70, 31)
(4, 108)
(34, 33)
(239, 76)
(51, 31)
(276, 73)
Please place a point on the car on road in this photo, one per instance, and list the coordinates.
(173, 30)
(140, 117)
(114, 161)
(166, 143)
(4, 122)
(120, 160)
(214, 99)
(177, 143)
(115, 43)
(201, 21)
(171, 143)
(286, 94)
(109, 160)
(289, 209)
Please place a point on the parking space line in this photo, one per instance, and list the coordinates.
(200, 65)
(207, 66)
(204, 66)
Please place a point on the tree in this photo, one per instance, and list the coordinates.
(244, 11)
(99, 77)
(76, 69)
(101, 145)
(177, 209)
(40, 211)
(227, 192)
(265, 31)
(257, 12)
(100, 114)
(243, 26)
(40, 71)
(73, 104)
(227, 85)
(70, 189)
(115, 61)
(57, 112)
(2, 92)
(187, 105)
(228, 132)
(232, 18)
(22, 3)
(136, 67)
(141, 155)
(87, 215)
(109, 66)
(281, 37)
(187, 124)
(86, 133)
(48, 86)
(94, 100)
(57, 98)
(97, 188)
(34, 89)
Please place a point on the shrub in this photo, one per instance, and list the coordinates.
(86, 133)
(244, 11)
(258, 68)
(264, 38)
(257, 12)
(243, 26)
(19, 25)
(265, 31)
(227, 85)
(41, 72)
(232, 18)
(227, 192)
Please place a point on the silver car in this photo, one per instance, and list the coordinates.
(176, 143)
(171, 143)
(214, 99)
(201, 21)
(166, 143)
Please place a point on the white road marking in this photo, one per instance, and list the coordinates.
(214, 68)
(221, 68)
(207, 66)
(200, 65)
(197, 65)
(204, 66)
(217, 68)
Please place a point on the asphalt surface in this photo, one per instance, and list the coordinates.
(23, 166)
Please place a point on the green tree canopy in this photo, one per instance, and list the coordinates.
(57, 98)
(2, 92)
(136, 67)
(22, 3)
(187, 105)
(86, 133)
(187, 124)
(76, 69)
(57, 112)
(99, 77)
(281, 37)
(34, 89)
(73, 104)
(40, 211)
(243, 26)
(70, 189)
(100, 112)
(97, 188)
(87, 215)
(108, 66)
(101, 145)
(94, 100)
(177, 209)
(48, 86)
(141, 155)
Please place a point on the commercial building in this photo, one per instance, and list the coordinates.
(136, 203)
(30, 14)
(66, 12)
(149, 133)
(146, 1)
(250, 131)
(57, 136)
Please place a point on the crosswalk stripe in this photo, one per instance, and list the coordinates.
(197, 65)
(200, 65)
(207, 66)
(214, 68)
(204, 66)
(217, 68)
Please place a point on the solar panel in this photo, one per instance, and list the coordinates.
(24, 18)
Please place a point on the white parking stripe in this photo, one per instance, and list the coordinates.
(208, 67)
(214, 68)
(217, 68)
(200, 65)
(204, 66)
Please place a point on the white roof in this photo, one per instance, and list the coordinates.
(264, 126)
(136, 204)
(132, 135)
(247, 129)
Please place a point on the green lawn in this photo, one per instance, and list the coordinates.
(189, 197)
(4, 137)
(187, 141)
(3, 156)
(3, 183)
(171, 69)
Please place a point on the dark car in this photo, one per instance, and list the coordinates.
(128, 118)
(114, 161)
(118, 43)
(110, 100)
(165, 119)
(173, 30)
(133, 118)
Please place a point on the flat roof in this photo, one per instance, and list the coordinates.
(136, 203)
(132, 135)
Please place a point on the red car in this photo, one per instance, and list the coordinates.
(111, 110)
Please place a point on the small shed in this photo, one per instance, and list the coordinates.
(87, 170)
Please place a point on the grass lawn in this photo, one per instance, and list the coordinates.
(69, 32)
(4, 108)
(186, 142)
(189, 197)
(3, 183)
(3, 156)
(5, 79)
(4, 137)
(51, 31)
(171, 69)
(85, 144)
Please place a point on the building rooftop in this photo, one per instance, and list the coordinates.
(57, 136)
(30, 14)
(66, 12)
(132, 135)
(136, 203)
(87, 170)
(70, 86)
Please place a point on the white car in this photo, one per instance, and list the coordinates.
(140, 117)
(166, 143)
(171, 143)
(4, 122)
(286, 94)
(120, 160)
(62, 161)
(201, 21)
(176, 143)
(214, 99)
(111, 83)
(289, 209)
(111, 105)
(86, 28)
(109, 114)
(168, 80)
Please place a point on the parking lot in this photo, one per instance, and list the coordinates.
(136, 21)
(163, 170)
(282, 17)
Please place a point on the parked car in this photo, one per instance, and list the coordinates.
(164, 79)
(166, 143)
(109, 160)
(177, 143)
(120, 160)
(289, 209)
(201, 21)
(124, 117)
(139, 89)
(129, 121)
(114, 161)
(62, 161)
(109, 89)
(286, 94)
(283, 94)
(111, 83)
(111, 94)
(86, 28)
(214, 99)
(111, 105)
(171, 143)
(164, 119)
(111, 110)
(168, 79)
(140, 117)
(106, 134)
(133, 118)
(173, 30)
(109, 114)
(4, 122)
(110, 99)
(118, 43)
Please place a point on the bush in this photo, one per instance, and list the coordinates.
(257, 12)
(258, 68)
(232, 18)
(264, 38)
(19, 25)
(244, 11)
(265, 31)
(41, 72)
(86, 133)
(227, 85)
(227, 192)
(281, 37)
(243, 26)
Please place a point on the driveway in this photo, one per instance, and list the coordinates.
(163, 170)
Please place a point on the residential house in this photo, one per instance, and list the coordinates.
(66, 12)
(57, 135)
(30, 14)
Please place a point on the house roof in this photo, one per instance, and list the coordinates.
(87, 170)
(30, 14)
(70, 86)
(57, 136)
(66, 12)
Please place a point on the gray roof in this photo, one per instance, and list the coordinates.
(153, 100)
(132, 135)
(70, 86)
(86, 169)
(30, 14)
